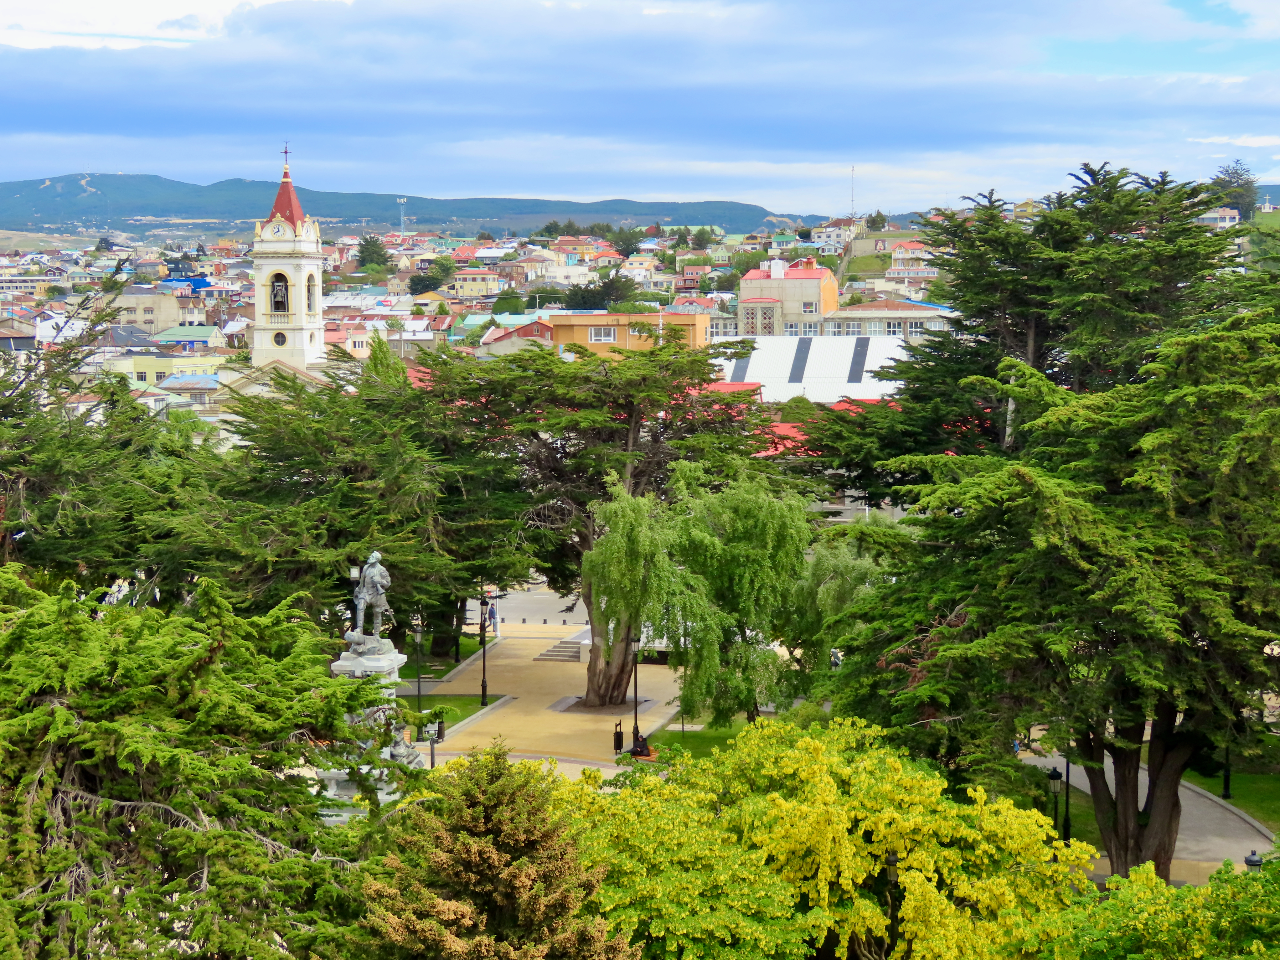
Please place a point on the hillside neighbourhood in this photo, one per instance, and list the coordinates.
(185, 310)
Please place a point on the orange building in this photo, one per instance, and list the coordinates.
(602, 332)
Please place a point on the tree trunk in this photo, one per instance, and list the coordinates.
(609, 667)
(1135, 832)
(445, 627)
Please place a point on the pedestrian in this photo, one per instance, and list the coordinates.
(493, 617)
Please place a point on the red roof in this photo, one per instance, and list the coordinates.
(287, 207)
(730, 386)
(790, 273)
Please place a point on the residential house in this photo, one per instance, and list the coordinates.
(536, 334)
(351, 335)
(838, 232)
(778, 299)
(888, 318)
(153, 308)
(689, 278)
(603, 332)
(911, 260)
(476, 282)
(1220, 218)
(191, 336)
(1026, 210)
(153, 366)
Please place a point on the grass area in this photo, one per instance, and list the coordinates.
(463, 706)
(1257, 794)
(1084, 826)
(433, 668)
(700, 743)
(869, 263)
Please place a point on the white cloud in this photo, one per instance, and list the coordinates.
(1245, 141)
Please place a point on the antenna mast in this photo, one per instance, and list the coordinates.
(853, 209)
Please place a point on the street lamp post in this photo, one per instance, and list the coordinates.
(1066, 808)
(1253, 862)
(635, 723)
(1055, 788)
(1226, 774)
(417, 662)
(484, 654)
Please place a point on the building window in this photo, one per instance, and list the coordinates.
(791, 329)
(875, 328)
(853, 328)
(811, 328)
(915, 328)
(766, 328)
(131, 310)
(357, 344)
(602, 334)
(715, 328)
(279, 339)
(808, 307)
(200, 398)
(936, 324)
(748, 328)
(835, 329)
(140, 376)
(148, 311)
(749, 314)
(731, 328)
(279, 293)
(895, 328)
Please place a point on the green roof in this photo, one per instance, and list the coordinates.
(201, 331)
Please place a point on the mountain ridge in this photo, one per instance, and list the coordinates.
(99, 198)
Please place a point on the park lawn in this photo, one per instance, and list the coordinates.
(1083, 824)
(433, 668)
(463, 706)
(1257, 794)
(700, 743)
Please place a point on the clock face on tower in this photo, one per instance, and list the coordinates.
(277, 231)
(308, 231)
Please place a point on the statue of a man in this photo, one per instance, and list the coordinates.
(371, 594)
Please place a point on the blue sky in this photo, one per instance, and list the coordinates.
(759, 100)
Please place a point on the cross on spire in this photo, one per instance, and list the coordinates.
(285, 151)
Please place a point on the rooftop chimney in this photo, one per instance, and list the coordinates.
(777, 270)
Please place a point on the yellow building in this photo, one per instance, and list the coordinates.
(602, 332)
(146, 366)
(475, 282)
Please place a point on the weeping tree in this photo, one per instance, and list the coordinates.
(710, 573)
(156, 784)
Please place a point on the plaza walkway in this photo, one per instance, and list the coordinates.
(539, 716)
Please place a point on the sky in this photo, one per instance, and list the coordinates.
(762, 101)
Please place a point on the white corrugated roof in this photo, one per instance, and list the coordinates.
(824, 369)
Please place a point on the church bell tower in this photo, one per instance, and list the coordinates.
(288, 266)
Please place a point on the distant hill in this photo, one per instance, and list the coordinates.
(95, 198)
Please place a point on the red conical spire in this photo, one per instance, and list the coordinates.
(287, 207)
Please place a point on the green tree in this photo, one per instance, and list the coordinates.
(153, 782)
(1233, 917)
(372, 252)
(876, 221)
(323, 475)
(627, 242)
(485, 236)
(728, 281)
(552, 229)
(618, 289)
(701, 239)
(1237, 187)
(1065, 586)
(510, 300)
(485, 865)
(878, 859)
(569, 426)
(539, 297)
(590, 297)
(422, 283)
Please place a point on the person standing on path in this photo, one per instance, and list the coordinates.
(493, 617)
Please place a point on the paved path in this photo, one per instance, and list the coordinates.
(533, 721)
(1209, 831)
